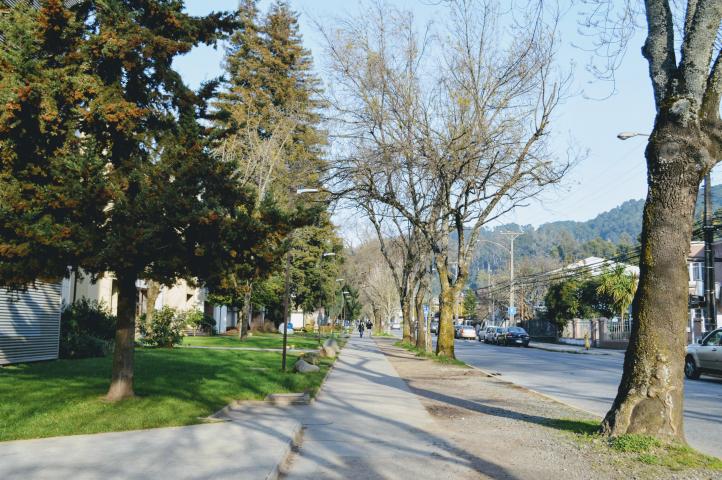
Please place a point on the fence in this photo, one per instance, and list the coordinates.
(540, 329)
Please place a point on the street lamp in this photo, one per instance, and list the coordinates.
(628, 135)
(343, 297)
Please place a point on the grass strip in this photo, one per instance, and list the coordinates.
(430, 355)
(173, 387)
(642, 448)
(257, 340)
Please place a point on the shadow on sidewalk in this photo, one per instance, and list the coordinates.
(407, 444)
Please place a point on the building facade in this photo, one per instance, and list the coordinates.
(30, 323)
(698, 324)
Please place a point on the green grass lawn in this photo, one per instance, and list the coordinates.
(431, 355)
(258, 340)
(641, 448)
(173, 387)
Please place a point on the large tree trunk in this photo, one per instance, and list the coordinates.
(121, 383)
(152, 295)
(406, 314)
(245, 321)
(421, 332)
(651, 393)
(447, 297)
(378, 320)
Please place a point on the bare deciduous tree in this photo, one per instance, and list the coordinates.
(450, 128)
(368, 271)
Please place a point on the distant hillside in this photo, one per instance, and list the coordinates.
(622, 223)
(565, 241)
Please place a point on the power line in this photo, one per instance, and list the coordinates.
(583, 270)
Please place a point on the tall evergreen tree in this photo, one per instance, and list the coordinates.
(268, 122)
(105, 163)
(51, 179)
(269, 77)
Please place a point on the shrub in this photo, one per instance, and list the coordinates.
(201, 321)
(164, 329)
(87, 329)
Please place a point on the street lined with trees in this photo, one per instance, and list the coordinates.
(426, 135)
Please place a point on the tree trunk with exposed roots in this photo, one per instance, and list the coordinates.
(651, 393)
(121, 383)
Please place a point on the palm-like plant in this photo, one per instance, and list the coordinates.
(620, 286)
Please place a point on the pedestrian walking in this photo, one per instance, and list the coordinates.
(361, 328)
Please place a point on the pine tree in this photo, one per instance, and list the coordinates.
(270, 80)
(51, 179)
(267, 120)
(105, 160)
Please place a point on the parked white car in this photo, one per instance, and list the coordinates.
(705, 356)
(465, 331)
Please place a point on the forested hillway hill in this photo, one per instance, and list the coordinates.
(555, 243)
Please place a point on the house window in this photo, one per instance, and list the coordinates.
(696, 270)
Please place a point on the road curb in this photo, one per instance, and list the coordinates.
(575, 352)
(287, 452)
(534, 392)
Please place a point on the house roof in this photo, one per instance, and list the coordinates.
(597, 265)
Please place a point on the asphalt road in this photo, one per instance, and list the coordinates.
(590, 382)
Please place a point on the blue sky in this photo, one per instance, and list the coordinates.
(613, 172)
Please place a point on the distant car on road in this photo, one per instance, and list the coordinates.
(396, 326)
(434, 326)
(705, 356)
(465, 330)
(513, 336)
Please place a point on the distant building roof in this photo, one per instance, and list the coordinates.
(597, 265)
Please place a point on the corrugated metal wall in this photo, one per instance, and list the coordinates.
(30, 323)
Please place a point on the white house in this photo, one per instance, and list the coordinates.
(30, 323)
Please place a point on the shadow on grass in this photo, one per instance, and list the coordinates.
(173, 387)
(579, 427)
(443, 359)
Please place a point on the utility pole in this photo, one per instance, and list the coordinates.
(491, 298)
(512, 309)
(709, 277)
(287, 288)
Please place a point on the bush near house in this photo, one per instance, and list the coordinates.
(163, 329)
(200, 321)
(87, 329)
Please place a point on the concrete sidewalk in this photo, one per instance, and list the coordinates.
(250, 447)
(558, 347)
(367, 424)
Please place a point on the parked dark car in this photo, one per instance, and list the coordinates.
(434, 326)
(513, 336)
